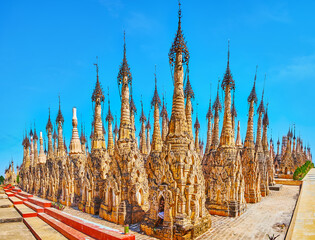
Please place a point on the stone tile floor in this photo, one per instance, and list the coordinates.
(270, 216)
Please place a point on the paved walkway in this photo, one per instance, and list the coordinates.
(304, 223)
(270, 216)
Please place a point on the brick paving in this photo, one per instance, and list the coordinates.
(270, 216)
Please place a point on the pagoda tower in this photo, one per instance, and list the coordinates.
(197, 127)
(156, 103)
(223, 168)
(148, 128)
(209, 117)
(110, 119)
(165, 119)
(143, 142)
(268, 152)
(126, 183)
(264, 186)
(98, 139)
(189, 95)
(133, 112)
(175, 178)
(49, 130)
(42, 155)
(75, 144)
(215, 130)
(35, 138)
(59, 122)
(249, 158)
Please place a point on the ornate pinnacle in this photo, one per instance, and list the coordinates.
(59, 116)
(82, 137)
(197, 124)
(252, 96)
(98, 92)
(209, 113)
(164, 111)
(142, 117)
(261, 108)
(31, 133)
(233, 110)
(179, 44)
(132, 103)
(266, 119)
(217, 104)
(35, 134)
(109, 116)
(49, 126)
(148, 126)
(188, 89)
(156, 98)
(116, 128)
(55, 135)
(228, 79)
(124, 70)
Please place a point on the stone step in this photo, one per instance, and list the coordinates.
(15, 200)
(5, 203)
(3, 196)
(94, 230)
(10, 194)
(9, 215)
(14, 231)
(33, 206)
(64, 229)
(24, 194)
(40, 202)
(20, 197)
(42, 230)
(25, 211)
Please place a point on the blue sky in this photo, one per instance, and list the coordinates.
(49, 47)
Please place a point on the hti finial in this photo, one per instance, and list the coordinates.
(264, 87)
(218, 85)
(155, 77)
(96, 64)
(124, 43)
(108, 95)
(59, 100)
(228, 62)
(179, 11)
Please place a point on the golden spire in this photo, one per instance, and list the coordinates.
(227, 135)
(156, 103)
(109, 119)
(249, 139)
(215, 131)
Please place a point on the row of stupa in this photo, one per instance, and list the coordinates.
(125, 182)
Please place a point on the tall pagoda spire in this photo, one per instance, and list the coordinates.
(42, 155)
(75, 144)
(110, 119)
(228, 84)
(265, 126)
(164, 116)
(59, 122)
(35, 138)
(124, 78)
(156, 103)
(143, 143)
(197, 127)
(260, 111)
(233, 114)
(249, 139)
(116, 130)
(49, 130)
(209, 117)
(189, 94)
(133, 111)
(178, 57)
(148, 128)
(215, 131)
(98, 140)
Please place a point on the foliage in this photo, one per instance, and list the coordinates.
(18, 179)
(300, 172)
(1, 179)
(58, 206)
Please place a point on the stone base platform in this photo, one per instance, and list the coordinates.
(9, 215)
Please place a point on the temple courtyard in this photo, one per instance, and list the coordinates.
(270, 216)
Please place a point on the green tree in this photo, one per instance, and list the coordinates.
(18, 179)
(1, 179)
